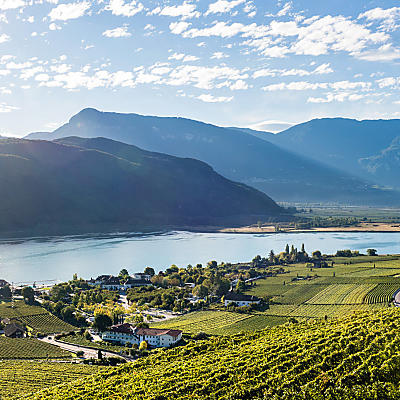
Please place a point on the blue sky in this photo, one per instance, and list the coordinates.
(253, 63)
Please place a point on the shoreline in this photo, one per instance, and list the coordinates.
(248, 229)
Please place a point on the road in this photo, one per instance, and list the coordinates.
(87, 353)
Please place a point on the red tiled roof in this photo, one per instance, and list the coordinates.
(157, 332)
(123, 328)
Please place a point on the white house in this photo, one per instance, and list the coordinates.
(240, 299)
(127, 333)
(110, 282)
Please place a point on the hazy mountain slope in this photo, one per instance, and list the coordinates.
(385, 166)
(56, 188)
(232, 153)
(340, 142)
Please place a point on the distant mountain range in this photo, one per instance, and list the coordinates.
(366, 148)
(282, 171)
(80, 185)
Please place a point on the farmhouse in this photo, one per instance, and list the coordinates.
(111, 282)
(127, 333)
(240, 299)
(14, 330)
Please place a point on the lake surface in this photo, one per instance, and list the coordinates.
(59, 258)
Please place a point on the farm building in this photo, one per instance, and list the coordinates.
(127, 333)
(240, 299)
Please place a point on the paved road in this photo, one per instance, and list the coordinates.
(87, 353)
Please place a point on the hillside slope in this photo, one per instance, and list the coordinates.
(235, 154)
(353, 358)
(342, 143)
(56, 188)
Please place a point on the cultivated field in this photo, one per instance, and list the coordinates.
(27, 348)
(353, 284)
(35, 317)
(18, 378)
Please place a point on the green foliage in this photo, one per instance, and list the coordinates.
(102, 322)
(28, 294)
(18, 378)
(27, 348)
(352, 358)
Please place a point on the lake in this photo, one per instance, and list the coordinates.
(59, 258)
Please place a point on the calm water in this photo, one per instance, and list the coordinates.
(36, 260)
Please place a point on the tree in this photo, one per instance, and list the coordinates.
(149, 271)
(240, 286)
(200, 291)
(28, 294)
(5, 292)
(287, 249)
(102, 322)
(99, 355)
(271, 256)
(303, 250)
(123, 274)
(372, 252)
(58, 292)
(317, 254)
(143, 346)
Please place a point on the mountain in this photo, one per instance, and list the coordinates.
(235, 154)
(342, 143)
(385, 166)
(258, 134)
(103, 185)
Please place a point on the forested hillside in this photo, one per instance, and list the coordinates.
(353, 358)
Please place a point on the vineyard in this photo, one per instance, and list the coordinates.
(37, 318)
(356, 358)
(18, 378)
(27, 348)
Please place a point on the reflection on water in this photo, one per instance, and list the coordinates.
(59, 258)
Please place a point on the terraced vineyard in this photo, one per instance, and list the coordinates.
(18, 378)
(382, 293)
(27, 348)
(355, 358)
(202, 321)
(342, 294)
(37, 318)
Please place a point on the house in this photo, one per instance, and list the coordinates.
(240, 299)
(127, 333)
(14, 330)
(111, 282)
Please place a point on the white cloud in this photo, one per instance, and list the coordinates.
(42, 77)
(178, 27)
(388, 16)
(185, 10)
(11, 4)
(122, 31)
(223, 6)
(126, 9)
(331, 97)
(208, 98)
(54, 27)
(218, 55)
(239, 85)
(4, 38)
(182, 57)
(5, 108)
(320, 70)
(68, 11)
(384, 53)
(303, 85)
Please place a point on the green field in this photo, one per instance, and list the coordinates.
(330, 292)
(18, 378)
(28, 348)
(35, 317)
(353, 358)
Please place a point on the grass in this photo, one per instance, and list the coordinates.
(19, 378)
(35, 317)
(27, 348)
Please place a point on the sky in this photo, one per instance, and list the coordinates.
(263, 64)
